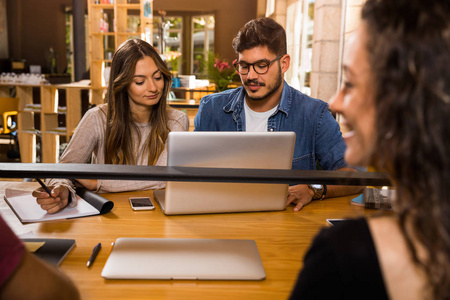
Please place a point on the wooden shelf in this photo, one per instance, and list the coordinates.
(103, 33)
(58, 131)
(48, 110)
(129, 6)
(129, 33)
(103, 6)
(29, 130)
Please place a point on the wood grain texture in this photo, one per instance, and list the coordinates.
(282, 238)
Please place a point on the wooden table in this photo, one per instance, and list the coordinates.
(184, 103)
(282, 238)
(193, 93)
(189, 106)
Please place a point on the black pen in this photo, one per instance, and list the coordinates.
(44, 187)
(94, 254)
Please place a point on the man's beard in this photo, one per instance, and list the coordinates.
(269, 92)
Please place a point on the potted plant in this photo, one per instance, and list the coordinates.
(220, 72)
(172, 58)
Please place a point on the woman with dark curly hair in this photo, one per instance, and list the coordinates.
(130, 129)
(396, 104)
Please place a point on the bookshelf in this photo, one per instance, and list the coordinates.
(111, 22)
(41, 119)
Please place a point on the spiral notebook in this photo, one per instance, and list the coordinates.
(27, 210)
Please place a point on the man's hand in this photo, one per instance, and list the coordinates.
(299, 195)
(57, 201)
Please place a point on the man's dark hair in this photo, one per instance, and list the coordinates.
(261, 32)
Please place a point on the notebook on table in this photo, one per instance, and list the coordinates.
(52, 251)
(186, 259)
(25, 207)
(255, 150)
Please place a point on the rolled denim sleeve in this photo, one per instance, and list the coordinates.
(199, 115)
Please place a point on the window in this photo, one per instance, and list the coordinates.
(202, 41)
(270, 7)
(167, 38)
(306, 50)
(299, 31)
(69, 44)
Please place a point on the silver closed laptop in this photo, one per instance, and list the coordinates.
(254, 150)
(184, 259)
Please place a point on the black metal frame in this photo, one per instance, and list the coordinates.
(195, 174)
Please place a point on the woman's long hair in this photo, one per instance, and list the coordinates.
(409, 53)
(120, 125)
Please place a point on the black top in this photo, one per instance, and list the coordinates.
(342, 263)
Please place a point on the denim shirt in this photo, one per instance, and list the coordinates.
(318, 135)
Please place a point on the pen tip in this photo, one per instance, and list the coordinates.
(88, 264)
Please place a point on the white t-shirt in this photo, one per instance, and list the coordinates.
(256, 121)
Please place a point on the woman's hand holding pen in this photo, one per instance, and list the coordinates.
(58, 200)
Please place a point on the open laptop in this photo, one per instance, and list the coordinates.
(188, 259)
(255, 150)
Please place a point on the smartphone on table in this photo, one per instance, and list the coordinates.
(141, 203)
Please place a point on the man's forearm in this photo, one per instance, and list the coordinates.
(343, 190)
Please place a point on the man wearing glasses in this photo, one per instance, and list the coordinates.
(265, 102)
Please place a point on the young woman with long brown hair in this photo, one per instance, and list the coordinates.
(131, 128)
(396, 103)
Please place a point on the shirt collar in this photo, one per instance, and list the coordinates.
(286, 99)
(237, 101)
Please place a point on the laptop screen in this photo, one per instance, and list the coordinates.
(255, 150)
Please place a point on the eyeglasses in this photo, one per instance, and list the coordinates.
(260, 67)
